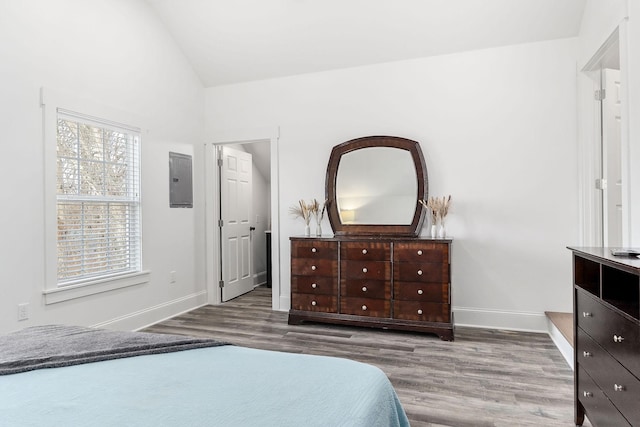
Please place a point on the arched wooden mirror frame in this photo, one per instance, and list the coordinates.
(408, 230)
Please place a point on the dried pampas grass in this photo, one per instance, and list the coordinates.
(305, 210)
(439, 207)
(318, 211)
(302, 210)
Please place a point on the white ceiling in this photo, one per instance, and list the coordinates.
(230, 41)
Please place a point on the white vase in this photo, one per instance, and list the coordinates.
(442, 232)
(307, 230)
(434, 231)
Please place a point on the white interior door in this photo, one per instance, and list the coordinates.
(612, 159)
(236, 211)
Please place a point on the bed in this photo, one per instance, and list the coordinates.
(73, 376)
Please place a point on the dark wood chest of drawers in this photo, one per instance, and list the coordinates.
(607, 337)
(387, 283)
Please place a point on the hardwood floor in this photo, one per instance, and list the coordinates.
(483, 378)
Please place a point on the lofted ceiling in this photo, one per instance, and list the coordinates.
(231, 41)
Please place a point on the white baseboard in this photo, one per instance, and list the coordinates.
(497, 319)
(260, 278)
(561, 342)
(151, 315)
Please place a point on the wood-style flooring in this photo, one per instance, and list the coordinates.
(564, 323)
(483, 378)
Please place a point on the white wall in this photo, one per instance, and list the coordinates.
(498, 130)
(116, 53)
(261, 213)
(633, 82)
(600, 20)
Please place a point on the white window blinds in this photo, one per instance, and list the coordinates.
(98, 198)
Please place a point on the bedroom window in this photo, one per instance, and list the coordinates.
(97, 198)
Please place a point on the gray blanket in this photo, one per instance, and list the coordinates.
(54, 346)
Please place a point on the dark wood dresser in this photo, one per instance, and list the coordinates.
(607, 337)
(384, 282)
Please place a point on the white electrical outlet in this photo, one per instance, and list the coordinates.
(172, 277)
(23, 311)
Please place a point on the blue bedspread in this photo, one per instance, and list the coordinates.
(219, 386)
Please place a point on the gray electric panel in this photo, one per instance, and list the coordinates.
(180, 181)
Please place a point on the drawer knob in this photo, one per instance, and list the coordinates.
(313, 267)
(419, 251)
(364, 289)
(587, 394)
(586, 354)
(314, 285)
(364, 308)
(419, 272)
(618, 338)
(419, 311)
(586, 314)
(364, 252)
(314, 250)
(364, 270)
(420, 292)
(617, 387)
(314, 303)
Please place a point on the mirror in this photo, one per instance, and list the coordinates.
(373, 186)
(366, 196)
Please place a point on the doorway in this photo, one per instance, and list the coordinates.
(262, 146)
(604, 184)
(238, 224)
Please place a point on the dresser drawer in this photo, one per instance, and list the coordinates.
(422, 311)
(369, 270)
(599, 409)
(421, 272)
(314, 267)
(365, 307)
(421, 252)
(617, 334)
(415, 291)
(590, 355)
(365, 251)
(314, 285)
(314, 249)
(310, 302)
(620, 386)
(378, 289)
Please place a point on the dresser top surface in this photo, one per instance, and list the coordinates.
(604, 255)
(372, 238)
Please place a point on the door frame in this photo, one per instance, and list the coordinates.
(212, 208)
(589, 134)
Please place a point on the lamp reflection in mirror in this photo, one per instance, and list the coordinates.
(348, 216)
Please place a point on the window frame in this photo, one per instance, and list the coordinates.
(54, 291)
